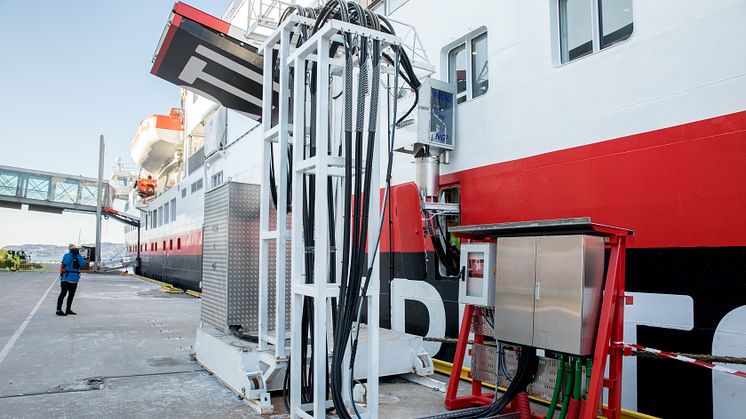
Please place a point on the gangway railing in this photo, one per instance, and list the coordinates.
(49, 191)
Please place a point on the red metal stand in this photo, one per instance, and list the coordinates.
(610, 330)
(476, 398)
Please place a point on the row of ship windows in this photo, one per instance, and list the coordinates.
(153, 247)
(162, 215)
(166, 213)
(584, 27)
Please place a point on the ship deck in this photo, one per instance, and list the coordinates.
(126, 354)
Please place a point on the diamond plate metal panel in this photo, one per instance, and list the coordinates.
(231, 256)
(243, 256)
(215, 257)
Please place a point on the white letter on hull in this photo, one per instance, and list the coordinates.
(405, 289)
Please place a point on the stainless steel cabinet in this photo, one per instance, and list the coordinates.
(514, 289)
(548, 291)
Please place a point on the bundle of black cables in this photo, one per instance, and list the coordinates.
(356, 264)
(524, 375)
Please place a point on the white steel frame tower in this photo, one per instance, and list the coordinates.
(323, 166)
(279, 40)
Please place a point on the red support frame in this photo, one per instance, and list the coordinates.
(610, 331)
(476, 398)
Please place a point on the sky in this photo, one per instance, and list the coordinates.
(71, 71)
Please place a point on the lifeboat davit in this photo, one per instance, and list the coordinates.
(156, 140)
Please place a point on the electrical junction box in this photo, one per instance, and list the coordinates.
(436, 114)
(477, 283)
(548, 291)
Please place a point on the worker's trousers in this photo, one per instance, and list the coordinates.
(69, 289)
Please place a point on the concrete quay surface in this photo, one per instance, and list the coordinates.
(125, 355)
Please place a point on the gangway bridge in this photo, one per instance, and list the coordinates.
(56, 193)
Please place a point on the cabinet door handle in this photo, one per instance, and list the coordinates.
(537, 291)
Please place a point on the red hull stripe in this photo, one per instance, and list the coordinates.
(683, 186)
(407, 234)
(201, 17)
(191, 245)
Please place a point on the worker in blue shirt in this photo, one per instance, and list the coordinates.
(69, 276)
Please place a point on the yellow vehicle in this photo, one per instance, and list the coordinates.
(9, 260)
(16, 260)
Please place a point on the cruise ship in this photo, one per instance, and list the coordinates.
(629, 112)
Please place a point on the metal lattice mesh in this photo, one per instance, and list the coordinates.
(486, 364)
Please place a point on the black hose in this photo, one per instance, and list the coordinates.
(527, 362)
(235, 330)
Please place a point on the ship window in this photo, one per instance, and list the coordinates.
(576, 29)
(615, 21)
(154, 217)
(178, 243)
(467, 65)
(164, 245)
(183, 193)
(479, 70)
(173, 209)
(166, 213)
(217, 179)
(392, 5)
(457, 71)
(197, 185)
(171, 244)
(588, 26)
(160, 216)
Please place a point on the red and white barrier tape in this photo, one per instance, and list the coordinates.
(686, 359)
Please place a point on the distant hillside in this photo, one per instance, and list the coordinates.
(43, 252)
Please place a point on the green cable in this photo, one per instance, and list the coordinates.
(569, 379)
(557, 387)
(588, 370)
(578, 379)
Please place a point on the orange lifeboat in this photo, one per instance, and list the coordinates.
(146, 187)
(156, 140)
